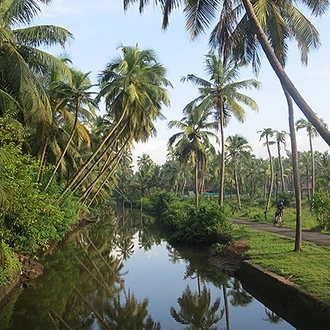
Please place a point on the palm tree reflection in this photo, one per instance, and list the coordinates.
(196, 310)
(271, 316)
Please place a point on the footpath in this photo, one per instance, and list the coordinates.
(309, 236)
(279, 294)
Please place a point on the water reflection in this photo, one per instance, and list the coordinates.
(120, 274)
(196, 309)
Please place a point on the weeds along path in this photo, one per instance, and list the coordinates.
(309, 236)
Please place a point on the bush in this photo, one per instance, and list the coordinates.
(158, 201)
(29, 217)
(322, 210)
(9, 264)
(187, 223)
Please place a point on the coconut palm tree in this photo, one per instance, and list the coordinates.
(75, 95)
(260, 16)
(221, 93)
(311, 133)
(305, 169)
(237, 150)
(280, 137)
(22, 63)
(268, 133)
(193, 140)
(134, 88)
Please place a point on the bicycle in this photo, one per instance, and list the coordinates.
(278, 219)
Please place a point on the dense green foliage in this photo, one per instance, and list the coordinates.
(206, 223)
(322, 210)
(30, 218)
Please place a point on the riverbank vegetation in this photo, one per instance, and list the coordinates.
(309, 268)
(60, 160)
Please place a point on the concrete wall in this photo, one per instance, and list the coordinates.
(285, 298)
(4, 290)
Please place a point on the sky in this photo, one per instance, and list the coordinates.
(99, 27)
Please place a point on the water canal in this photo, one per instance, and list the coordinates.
(120, 274)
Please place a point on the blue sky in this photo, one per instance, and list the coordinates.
(99, 27)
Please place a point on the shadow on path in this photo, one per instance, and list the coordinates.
(310, 236)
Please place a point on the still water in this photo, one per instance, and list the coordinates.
(120, 274)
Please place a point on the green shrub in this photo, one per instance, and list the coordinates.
(158, 200)
(30, 218)
(9, 264)
(322, 210)
(187, 223)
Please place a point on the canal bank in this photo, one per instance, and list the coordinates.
(285, 298)
(234, 262)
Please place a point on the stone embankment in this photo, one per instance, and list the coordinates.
(279, 294)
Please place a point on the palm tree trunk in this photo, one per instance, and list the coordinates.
(237, 188)
(283, 77)
(66, 146)
(102, 184)
(91, 186)
(84, 197)
(90, 159)
(281, 166)
(223, 164)
(296, 179)
(313, 171)
(271, 178)
(307, 185)
(91, 169)
(196, 183)
(42, 159)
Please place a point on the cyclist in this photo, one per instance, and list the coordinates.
(279, 213)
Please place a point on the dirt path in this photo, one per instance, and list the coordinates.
(313, 237)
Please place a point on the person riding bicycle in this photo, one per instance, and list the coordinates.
(279, 212)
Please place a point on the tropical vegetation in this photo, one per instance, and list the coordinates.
(62, 161)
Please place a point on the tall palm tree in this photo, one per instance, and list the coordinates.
(75, 95)
(200, 14)
(280, 137)
(193, 140)
(221, 93)
(312, 133)
(305, 169)
(237, 149)
(22, 63)
(134, 88)
(268, 133)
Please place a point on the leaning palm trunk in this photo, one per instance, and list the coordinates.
(105, 180)
(90, 159)
(42, 159)
(283, 77)
(109, 162)
(296, 179)
(89, 189)
(66, 147)
(101, 156)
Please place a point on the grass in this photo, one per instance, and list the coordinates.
(308, 268)
(309, 221)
